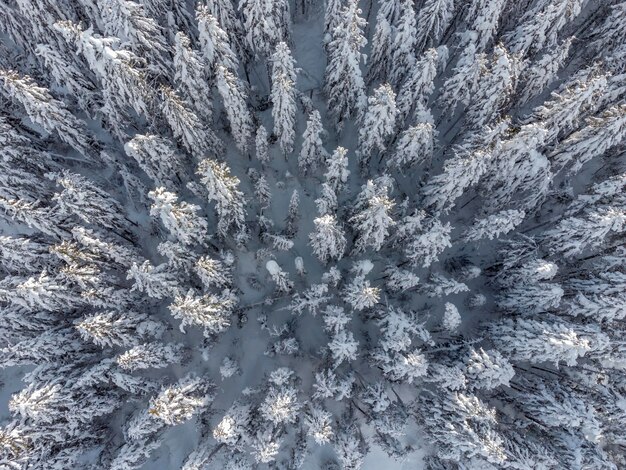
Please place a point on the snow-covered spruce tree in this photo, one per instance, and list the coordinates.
(372, 220)
(402, 47)
(234, 96)
(493, 88)
(313, 154)
(180, 219)
(52, 115)
(222, 188)
(378, 123)
(379, 58)
(127, 20)
(415, 146)
(344, 83)
(214, 42)
(435, 275)
(463, 81)
(283, 96)
(186, 125)
(158, 158)
(265, 24)
(418, 85)
(432, 20)
(190, 76)
(328, 240)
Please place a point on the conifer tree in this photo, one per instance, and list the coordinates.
(344, 83)
(223, 189)
(432, 20)
(234, 97)
(337, 172)
(206, 311)
(378, 123)
(492, 226)
(404, 44)
(228, 19)
(124, 85)
(328, 240)
(284, 96)
(601, 133)
(494, 89)
(418, 85)
(463, 82)
(543, 72)
(158, 158)
(373, 220)
(126, 20)
(265, 23)
(379, 60)
(540, 26)
(313, 154)
(483, 17)
(190, 76)
(88, 202)
(155, 281)
(415, 146)
(262, 152)
(186, 125)
(566, 107)
(45, 111)
(214, 42)
(181, 219)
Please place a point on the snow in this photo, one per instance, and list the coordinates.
(228, 251)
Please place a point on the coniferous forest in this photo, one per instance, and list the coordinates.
(289, 234)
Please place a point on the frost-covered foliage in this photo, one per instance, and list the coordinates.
(265, 233)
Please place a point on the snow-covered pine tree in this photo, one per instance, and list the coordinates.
(262, 153)
(459, 87)
(344, 83)
(432, 20)
(313, 154)
(229, 20)
(337, 172)
(124, 84)
(541, 73)
(180, 218)
(492, 226)
(328, 239)
(156, 281)
(223, 189)
(210, 312)
(45, 111)
(372, 220)
(380, 57)
(378, 124)
(127, 20)
(483, 17)
(540, 25)
(415, 146)
(403, 45)
(601, 133)
(214, 42)
(190, 76)
(418, 85)
(234, 96)
(494, 88)
(265, 24)
(186, 125)
(283, 96)
(426, 247)
(158, 158)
